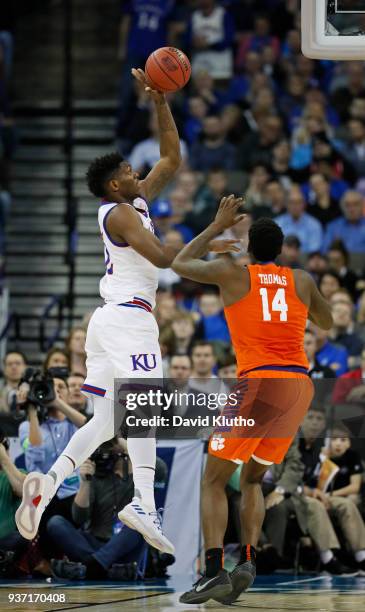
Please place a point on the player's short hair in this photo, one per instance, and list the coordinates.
(265, 240)
(100, 171)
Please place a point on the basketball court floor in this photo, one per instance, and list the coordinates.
(277, 592)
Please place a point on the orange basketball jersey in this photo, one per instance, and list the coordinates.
(267, 325)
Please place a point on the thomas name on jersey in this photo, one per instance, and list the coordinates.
(273, 279)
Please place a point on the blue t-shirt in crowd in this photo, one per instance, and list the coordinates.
(149, 19)
(351, 234)
(55, 437)
(333, 356)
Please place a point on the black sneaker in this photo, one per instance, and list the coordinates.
(336, 568)
(208, 588)
(68, 569)
(242, 577)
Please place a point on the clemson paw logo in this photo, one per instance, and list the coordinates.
(217, 444)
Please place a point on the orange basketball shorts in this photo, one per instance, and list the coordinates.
(272, 404)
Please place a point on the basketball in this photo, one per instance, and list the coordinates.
(167, 69)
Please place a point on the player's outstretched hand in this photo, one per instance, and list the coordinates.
(139, 74)
(224, 246)
(227, 214)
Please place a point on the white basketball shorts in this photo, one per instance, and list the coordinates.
(121, 342)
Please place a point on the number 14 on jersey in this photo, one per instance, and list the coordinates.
(278, 304)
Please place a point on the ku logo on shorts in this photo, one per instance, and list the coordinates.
(144, 361)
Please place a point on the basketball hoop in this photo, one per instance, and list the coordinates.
(333, 29)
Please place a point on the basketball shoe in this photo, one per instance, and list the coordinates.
(137, 516)
(38, 490)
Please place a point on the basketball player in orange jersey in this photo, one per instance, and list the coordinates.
(266, 307)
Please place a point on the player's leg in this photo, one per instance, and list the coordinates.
(39, 489)
(215, 583)
(252, 517)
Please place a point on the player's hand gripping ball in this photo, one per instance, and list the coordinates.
(167, 69)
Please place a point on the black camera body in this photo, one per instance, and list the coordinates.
(105, 458)
(41, 390)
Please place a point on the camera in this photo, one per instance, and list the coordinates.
(41, 390)
(105, 458)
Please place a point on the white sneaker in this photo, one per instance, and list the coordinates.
(38, 490)
(136, 516)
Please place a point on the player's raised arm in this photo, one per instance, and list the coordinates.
(188, 262)
(170, 153)
(125, 225)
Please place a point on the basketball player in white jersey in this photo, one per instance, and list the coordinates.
(122, 337)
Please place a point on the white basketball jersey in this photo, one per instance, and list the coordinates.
(128, 275)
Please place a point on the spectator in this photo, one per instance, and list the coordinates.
(290, 253)
(204, 362)
(180, 333)
(259, 40)
(338, 259)
(212, 150)
(316, 265)
(210, 37)
(56, 358)
(322, 205)
(343, 332)
(350, 228)
(75, 346)
(350, 388)
(14, 366)
(106, 546)
(315, 369)
(280, 164)
(44, 442)
(354, 149)
(344, 93)
(328, 284)
(207, 200)
(329, 354)
(11, 488)
(180, 371)
(76, 399)
(143, 28)
(281, 487)
(146, 154)
(257, 147)
(188, 182)
(274, 201)
(254, 193)
(320, 527)
(166, 308)
(198, 111)
(227, 366)
(162, 214)
(212, 325)
(204, 86)
(298, 223)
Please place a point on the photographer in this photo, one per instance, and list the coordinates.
(50, 426)
(11, 485)
(107, 548)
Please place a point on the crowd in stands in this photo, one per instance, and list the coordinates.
(257, 118)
